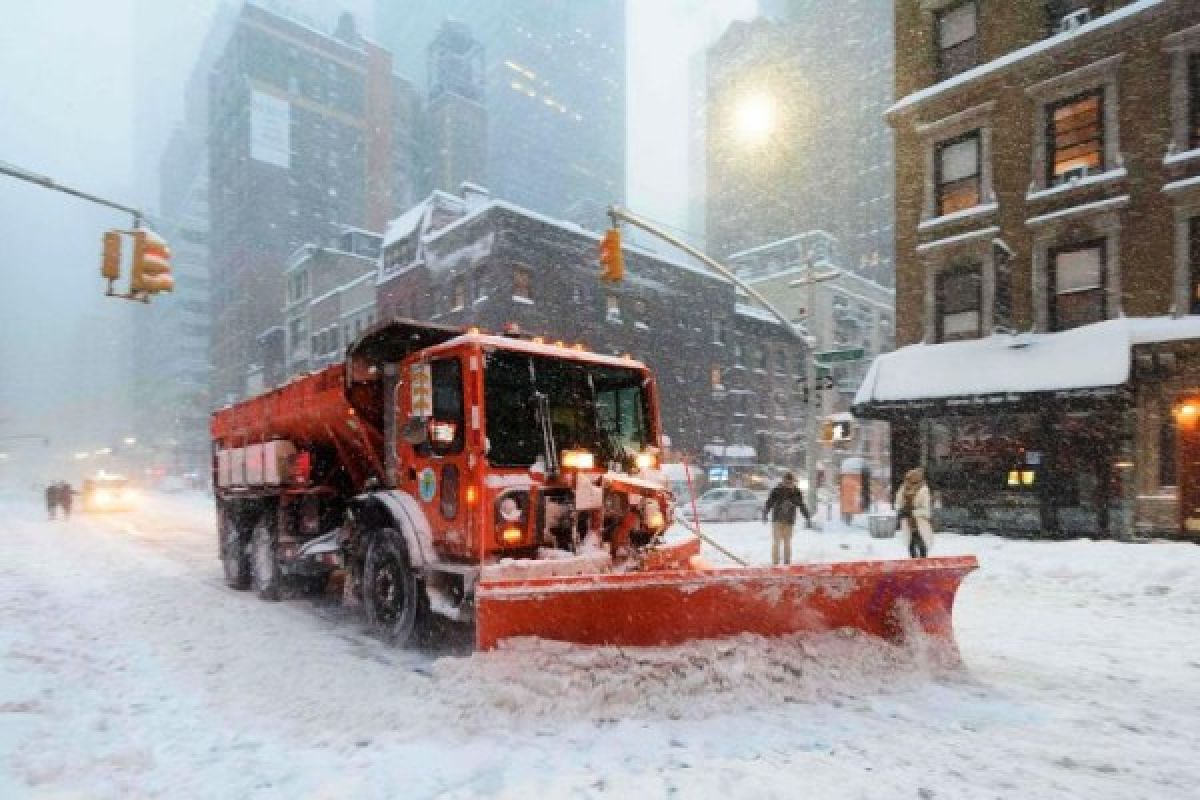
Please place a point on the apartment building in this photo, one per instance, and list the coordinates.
(1048, 264)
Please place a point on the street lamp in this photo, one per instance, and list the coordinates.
(755, 117)
(130, 440)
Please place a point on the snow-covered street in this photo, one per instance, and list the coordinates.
(127, 669)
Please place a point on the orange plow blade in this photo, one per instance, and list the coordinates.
(665, 607)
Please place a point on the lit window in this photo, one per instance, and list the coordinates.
(957, 165)
(1075, 137)
(957, 49)
(1077, 280)
(959, 298)
(460, 292)
(715, 377)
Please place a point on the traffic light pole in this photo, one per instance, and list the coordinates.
(14, 171)
(618, 214)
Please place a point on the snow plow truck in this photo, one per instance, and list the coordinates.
(512, 485)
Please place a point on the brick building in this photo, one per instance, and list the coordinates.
(726, 372)
(1048, 263)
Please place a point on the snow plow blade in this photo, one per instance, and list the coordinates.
(889, 599)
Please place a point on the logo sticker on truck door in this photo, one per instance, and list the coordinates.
(427, 484)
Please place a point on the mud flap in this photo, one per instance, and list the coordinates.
(889, 599)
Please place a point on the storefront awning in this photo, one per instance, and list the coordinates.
(1089, 361)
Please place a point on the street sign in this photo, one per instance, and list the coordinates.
(835, 356)
(824, 370)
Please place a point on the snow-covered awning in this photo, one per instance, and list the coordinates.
(1004, 368)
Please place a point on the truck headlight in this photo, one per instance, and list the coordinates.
(511, 518)
(646, 461)
(653, 518)
(578, 459)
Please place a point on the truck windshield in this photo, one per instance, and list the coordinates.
(592, 407)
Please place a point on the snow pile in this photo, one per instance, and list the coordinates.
(534, 680)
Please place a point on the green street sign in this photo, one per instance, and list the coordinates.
(835, 356)
(823, 370)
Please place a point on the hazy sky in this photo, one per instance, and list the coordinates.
(68, 88)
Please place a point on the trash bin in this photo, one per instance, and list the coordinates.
(881, 526)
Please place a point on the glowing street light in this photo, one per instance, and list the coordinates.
(81, 456)
(755, 117)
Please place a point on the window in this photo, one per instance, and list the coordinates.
(958, 184)
(1077, 285)
(1194, 101)
(460, 293)
(1166, 447)
(1064, 15)
(960, 303)
(957, 46)
(446, 377)
(714, 378)
(739, 353)
(1075, 137)
(522, 283)
(1194, 265)
(612, 307)
(480, 284)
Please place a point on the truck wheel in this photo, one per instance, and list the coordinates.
(267, 577)
(395, 601)
(234, 557)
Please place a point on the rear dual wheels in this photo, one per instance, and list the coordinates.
(268, 578)
(393, 595)
(234, 558)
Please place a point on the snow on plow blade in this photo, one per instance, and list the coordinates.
(884, 598)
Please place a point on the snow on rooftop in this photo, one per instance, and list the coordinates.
(1017, 56)
(754, 312)
(406, 224)
(1088, 357)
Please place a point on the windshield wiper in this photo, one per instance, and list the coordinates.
(541, 404)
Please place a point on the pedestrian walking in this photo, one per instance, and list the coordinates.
(913, 509)
(51, 500)
(782, 504)
(65, 497)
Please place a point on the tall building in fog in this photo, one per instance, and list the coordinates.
(554, 93)
(455, 119)
(795, 135)
(309, 132)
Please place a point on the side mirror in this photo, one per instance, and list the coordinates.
(414, 431)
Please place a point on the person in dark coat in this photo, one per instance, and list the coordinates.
(51, 500)
(65, 493)
(782, 504)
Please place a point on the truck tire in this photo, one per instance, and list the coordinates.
(393, 596)
(234, 558)
(268, 579)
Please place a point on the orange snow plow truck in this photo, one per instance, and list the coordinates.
(510, 485)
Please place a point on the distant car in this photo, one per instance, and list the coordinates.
(108, 493)
(727, 505)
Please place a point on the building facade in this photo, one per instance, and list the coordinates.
(804, 276)
(727, 373)
(554, 94)
(795, 137)
(1048, 263)
(330, 299)
(305, 135)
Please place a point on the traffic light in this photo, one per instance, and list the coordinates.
(837, 431)
(110, 267)
(151, 271)
(612, 261)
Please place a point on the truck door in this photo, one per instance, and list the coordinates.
(436, 467)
